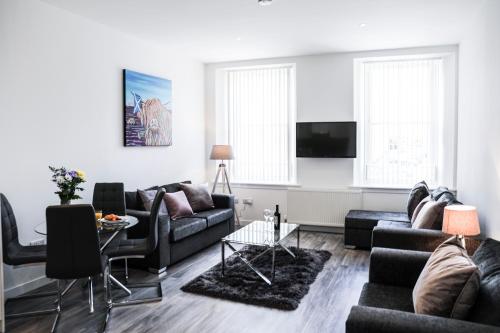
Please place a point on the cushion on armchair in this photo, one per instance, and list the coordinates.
(448, 284)
(486, 310)
(429, 216)
(417, 194)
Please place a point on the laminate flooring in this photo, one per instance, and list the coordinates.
(324, 309)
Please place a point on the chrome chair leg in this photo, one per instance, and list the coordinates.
(58, 308)
(32, 313)
(126, 271)
(91, 296)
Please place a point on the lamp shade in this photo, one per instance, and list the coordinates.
(461, 220)
(222, 152)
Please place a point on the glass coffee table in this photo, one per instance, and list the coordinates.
(260, 233)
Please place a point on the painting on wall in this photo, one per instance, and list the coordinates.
(148, 109)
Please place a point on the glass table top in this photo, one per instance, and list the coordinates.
(261, 233)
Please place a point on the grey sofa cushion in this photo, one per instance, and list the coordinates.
(487, 307)
(417, 194)
(185, 227)
(215, 216)
(368, 219)
(386, 297)
(393, 224)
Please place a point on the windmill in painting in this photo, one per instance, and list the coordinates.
(148, 109)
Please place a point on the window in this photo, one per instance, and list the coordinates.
(406, 117)
(260, 123)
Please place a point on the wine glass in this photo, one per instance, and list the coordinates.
(267, 214)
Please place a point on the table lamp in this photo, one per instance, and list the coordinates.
(461, 221)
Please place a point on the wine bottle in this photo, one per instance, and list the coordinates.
(277, 218)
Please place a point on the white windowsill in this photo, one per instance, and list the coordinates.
(265, 185)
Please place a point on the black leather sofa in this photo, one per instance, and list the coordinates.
(367, 229)
(180, 238)
(386, 305)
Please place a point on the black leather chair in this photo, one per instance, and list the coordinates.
(15, 254)
(73, 246)
(133, 248)
(110, 198)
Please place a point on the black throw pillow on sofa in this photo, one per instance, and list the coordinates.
(417, 194)
(487, 307)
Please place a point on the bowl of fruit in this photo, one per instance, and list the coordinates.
(112, 218)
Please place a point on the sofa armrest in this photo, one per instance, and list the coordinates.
(223, 200)
(408, 239)
(396, 267)
(363, 319)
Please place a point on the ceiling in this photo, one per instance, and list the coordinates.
(226, 30)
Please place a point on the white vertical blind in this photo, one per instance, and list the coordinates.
(402, 101)
(259, 108)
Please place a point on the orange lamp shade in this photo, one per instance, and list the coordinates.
(461, 220)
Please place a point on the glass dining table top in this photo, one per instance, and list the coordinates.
(125, 223)
(261, 233)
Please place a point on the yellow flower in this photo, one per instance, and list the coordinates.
(80, 174)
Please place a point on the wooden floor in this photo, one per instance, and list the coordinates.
(324, 309)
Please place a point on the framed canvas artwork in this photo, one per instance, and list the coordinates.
(148, 110)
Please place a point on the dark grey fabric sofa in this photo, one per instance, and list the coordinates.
(367, 229)
(386, 305)
(181, 238)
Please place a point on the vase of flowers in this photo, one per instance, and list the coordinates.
(67, 182)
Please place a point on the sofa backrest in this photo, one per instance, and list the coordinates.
(133, 200)
(487, 307)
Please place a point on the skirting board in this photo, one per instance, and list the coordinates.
(27, 286)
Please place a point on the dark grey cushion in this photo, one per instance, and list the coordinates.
(386, 297)
(198, 196)
(368, 219)
(185, 227)
(487, 307)
(216, 216)
(417, 194)
(393, 224)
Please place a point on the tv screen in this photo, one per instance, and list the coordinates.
(334, 139)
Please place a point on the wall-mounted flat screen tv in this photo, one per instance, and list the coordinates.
(326, 139)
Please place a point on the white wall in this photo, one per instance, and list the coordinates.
(324, 93)
(61, 104)
(478, 176)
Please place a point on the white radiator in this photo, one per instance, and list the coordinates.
(321, 207)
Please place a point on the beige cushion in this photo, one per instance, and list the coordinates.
(419, 208)
(429, 215)
(448, 284)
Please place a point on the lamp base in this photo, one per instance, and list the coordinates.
(225, 181)
(461, 239)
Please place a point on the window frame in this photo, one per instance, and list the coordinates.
(292, 115)
(446, 122)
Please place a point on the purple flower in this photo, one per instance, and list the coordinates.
(72, 173)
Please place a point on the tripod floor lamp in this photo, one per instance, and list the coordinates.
(223, 153)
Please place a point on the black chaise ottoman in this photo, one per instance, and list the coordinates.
(360, 223)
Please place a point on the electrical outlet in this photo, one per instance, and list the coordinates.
(40, 241)
(248, 201)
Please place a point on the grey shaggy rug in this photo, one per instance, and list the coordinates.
(291, 282)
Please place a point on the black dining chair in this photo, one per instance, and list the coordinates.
(15, 254)
(110, 198)
(73, 246)
(133, 248)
